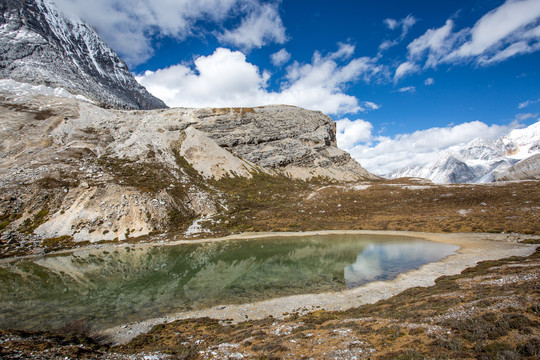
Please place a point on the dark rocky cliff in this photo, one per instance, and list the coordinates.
(39, 45)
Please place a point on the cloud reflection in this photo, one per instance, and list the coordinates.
(385, 261)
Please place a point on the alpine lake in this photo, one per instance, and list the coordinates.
(113, 285)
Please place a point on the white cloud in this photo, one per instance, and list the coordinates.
(409, 89)
(499, 24)
(225, 78)
(404, 69)
(280, 58)
(344, 51)
(221, 79)
(526, 116)
(391, 23)
(429, 81)
(349, 133)
(405, 24)
(521, 47)
(261, 27)
(129, 25)
(368, 105)
(527, 103)
(320, 84)
(382, 155)
(524, 104)
(387, 44)
(509, 30)
(437, 43)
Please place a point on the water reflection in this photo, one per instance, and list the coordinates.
(385, 261)
(107, 288)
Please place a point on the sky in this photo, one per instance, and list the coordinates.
(404, 80)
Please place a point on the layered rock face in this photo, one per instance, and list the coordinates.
(526, 169)
(68, 167)
(40, 45)
(295, 141)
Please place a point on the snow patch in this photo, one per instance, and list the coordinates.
(464, 212)
(361, 187)
(16, 88)
(480, 160)
(196, 227)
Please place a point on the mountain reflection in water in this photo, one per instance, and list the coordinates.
(110, 286)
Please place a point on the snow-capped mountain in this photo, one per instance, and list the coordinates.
(42, 46)
(512, 157)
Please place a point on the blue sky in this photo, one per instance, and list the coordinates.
(404, 80)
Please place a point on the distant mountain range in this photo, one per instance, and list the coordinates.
(41, 46)
(515, 156)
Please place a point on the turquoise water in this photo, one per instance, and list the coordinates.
(118, 285)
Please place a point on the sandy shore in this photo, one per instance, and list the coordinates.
(473, 249)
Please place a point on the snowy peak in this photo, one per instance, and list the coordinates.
(41, 46)
(522, 143)
(480, 149)
(512, 157)
(446, 169)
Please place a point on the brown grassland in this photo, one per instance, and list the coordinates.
(491, 311)
(266, 203)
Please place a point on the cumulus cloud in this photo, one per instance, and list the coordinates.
(508, 30)
(349, 133)
(129, 25)
(429, 81)
(382, 155)
(261, 27)
(280, 58)
(225, 78)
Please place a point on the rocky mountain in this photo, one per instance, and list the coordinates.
(512, 157)
(69, 168)
(41, 46)
(528, 168)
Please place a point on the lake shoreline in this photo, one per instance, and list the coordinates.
(474, 247)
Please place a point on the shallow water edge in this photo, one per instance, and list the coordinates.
(474, 247)
(109, 287)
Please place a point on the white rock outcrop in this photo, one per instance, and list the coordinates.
(100, 174)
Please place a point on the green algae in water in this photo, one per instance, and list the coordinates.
(108, 288)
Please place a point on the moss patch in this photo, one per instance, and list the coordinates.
(31, 223)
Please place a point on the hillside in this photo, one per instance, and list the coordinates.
(77, 172)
